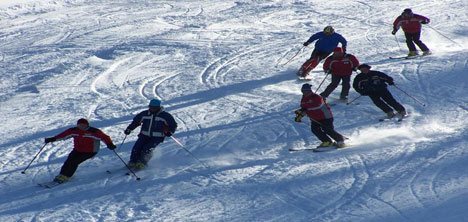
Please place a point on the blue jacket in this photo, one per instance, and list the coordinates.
(327, 43)
(154, 124)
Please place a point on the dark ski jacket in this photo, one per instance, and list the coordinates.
(154, 124)
(372, 82)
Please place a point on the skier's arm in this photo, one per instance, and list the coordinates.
(136, 122)
(61, 136)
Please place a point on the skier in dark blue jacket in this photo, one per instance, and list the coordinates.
(374, 84)
(326, 42)
(156, 124)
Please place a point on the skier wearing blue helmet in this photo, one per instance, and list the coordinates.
(155, 124)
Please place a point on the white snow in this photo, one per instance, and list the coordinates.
(215, 66)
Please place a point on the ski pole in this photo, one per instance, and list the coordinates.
(398, 43)
(297, 53)
(354, 100)
(123, 141)
(409, 95)
(37, 154)
(443, 35)
(322, 82)
(138, 178)
(180, 144)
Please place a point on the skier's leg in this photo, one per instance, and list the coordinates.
(388, 98)
(329, 129)
(345, 86)
(74, 159)
(137, 149)
(317, 130)
(409, 42)
(380, 103)
(332, 86)
(147, 150)
(418, 42)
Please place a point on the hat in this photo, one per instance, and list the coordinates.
(338, 49)
(82, 121)
(306, 87)
(155, 103)
(408, 10)
(328, 30)
(364, 66)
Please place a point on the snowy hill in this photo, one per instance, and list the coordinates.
(215, 66)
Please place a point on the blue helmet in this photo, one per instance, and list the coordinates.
(155, 103)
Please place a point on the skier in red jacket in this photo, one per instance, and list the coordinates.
(321, 118)
(411, 25)
(341, 66)
(86, 145)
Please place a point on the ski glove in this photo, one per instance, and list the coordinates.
(391, 83)
(111, 146)
(306, 43)
(168, 134)
(298, 118)
(50, 139)
(425, 22)
(394, 31)
(127, 132)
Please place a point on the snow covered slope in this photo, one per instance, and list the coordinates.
(215, 66)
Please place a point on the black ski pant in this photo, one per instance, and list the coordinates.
(74, 159)
(414, 37)
(335, 81)
(383, 97)
(324, 129)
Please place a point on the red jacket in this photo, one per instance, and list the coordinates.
(410, 24)
(340, 66)
(85, 140)
(316, 108)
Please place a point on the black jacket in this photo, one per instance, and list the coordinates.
(372, 82)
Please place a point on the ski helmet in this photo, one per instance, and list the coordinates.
(155, 103)
(306, 87)
(328, 30)
(82, 121)
(364, 66)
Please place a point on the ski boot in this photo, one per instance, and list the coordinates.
(412, 53)
(426, 53)
(61, 178)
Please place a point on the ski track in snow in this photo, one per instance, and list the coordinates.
(217, 67)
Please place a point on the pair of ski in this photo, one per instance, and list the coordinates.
(317, 149)
(50, 184)
(398, 119)
(408, 57)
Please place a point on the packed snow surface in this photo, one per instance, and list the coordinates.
(218, 67)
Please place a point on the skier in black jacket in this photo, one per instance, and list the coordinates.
(374, 84)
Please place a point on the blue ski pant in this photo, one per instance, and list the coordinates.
(143, 149)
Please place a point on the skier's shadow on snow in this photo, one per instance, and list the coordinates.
(223, 91)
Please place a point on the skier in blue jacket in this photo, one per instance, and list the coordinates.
(327, 40)
(156, 124)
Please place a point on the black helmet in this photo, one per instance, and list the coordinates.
(364, 66)
(408, 10)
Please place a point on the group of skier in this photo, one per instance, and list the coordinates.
(156, 123)
(341, 66)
